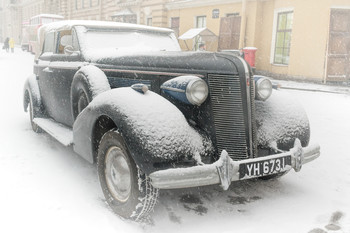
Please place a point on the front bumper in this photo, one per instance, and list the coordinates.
(225, 170)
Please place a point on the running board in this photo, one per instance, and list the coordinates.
(60, 132)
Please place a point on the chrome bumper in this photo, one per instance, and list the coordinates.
(225, 170)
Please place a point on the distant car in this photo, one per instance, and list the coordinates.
(152, 117)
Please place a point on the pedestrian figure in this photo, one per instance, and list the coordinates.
(12, 44)
(6, 44)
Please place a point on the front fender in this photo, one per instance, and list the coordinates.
(280, 120)
(154, 129)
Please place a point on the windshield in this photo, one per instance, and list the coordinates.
(120, 40)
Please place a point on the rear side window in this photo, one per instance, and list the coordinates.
(49, 44)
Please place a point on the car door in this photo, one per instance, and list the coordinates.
(43, 72)
(59, 76)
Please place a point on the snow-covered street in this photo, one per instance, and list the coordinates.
(46, 187)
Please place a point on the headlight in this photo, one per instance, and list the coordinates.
(263, 88)
(197, 91)
(187, 89)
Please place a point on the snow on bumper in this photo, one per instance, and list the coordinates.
(225, 170)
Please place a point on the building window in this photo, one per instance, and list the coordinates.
(283, 37)
(201, 21)
(149, 21)
(175, 25)
(130, 18)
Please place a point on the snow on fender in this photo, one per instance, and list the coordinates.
(154, 129)
(97, 79)
(88, 82)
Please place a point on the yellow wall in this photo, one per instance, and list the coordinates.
(309, 38)
(188, 18)
(309, 32)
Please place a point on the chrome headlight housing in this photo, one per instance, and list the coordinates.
(197, 91)
(263, 88)
(187, 89)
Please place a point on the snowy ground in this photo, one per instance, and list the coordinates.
(45, 187)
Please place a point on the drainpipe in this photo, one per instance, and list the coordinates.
(69, 7)
(100, 10)
(243, 24)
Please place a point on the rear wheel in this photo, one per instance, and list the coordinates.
(126, 188)
(35, 127)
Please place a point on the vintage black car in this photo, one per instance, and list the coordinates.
(153, 117)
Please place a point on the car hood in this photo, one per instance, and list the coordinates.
(165, 60)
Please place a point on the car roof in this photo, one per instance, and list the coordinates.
(69, 24)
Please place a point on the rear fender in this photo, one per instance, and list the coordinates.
(31, 92)
(154, 130)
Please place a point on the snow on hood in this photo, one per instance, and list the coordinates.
(158, 124)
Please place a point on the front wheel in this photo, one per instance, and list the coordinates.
(126, 188)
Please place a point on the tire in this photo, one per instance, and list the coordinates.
(81, 95)
(35, 127)
(127, 189)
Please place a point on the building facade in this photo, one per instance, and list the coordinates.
(10, 19)
(294, 38)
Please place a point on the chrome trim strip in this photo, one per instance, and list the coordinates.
(172, 89)
(249, 109)
(148, 72)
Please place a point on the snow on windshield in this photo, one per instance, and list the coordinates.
(105, 42)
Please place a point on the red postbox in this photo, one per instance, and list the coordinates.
(249, 55)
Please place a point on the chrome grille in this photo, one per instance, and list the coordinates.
(228, 114)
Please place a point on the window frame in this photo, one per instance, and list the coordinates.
(53, 41)
(149, 21)
(175, 25)
(201, 17)
(277, 13)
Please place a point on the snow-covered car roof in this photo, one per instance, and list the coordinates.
(69, 24)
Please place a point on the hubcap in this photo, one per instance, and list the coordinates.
(118, 174)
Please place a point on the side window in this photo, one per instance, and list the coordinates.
(67, 38)
(64, 39)
(49, 44)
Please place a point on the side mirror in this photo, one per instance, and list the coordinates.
(69, 50)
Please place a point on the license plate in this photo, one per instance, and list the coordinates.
(264, 167)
